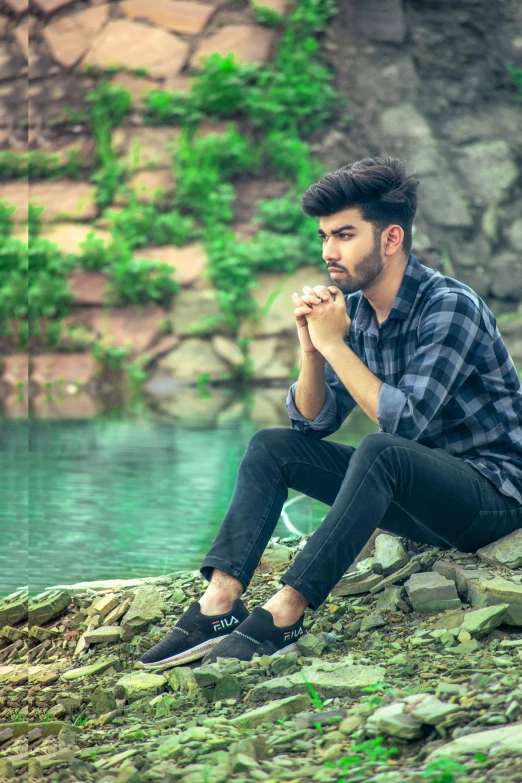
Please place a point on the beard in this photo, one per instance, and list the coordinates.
(366, 270)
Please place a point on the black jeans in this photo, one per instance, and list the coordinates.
(388, 482)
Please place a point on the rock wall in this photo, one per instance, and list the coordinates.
(425, 81)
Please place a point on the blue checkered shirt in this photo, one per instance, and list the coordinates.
(449, 381)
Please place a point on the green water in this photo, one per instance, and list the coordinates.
(108, 498)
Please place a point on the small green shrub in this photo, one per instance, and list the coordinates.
(266, 16)
(136, 280)
(140, 225)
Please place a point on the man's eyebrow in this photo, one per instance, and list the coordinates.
(348, 227)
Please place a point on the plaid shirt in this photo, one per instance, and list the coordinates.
(448, 379)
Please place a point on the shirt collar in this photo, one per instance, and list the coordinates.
(402, 303)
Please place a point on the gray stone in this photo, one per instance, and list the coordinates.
(506, 551)
(506, 275)
(410, 568)
(382, 20)
(107, 633)
(491, 592)
(227, 688)
(356, 583)
(311, 644)
(47, 605)
(13, 608)
(445, 202)
(148, 606)
(328, 679)
(307, 720)
(372, 620)
(431, 592)
(394, 721)
(494, 742)
(390, 553)
(514, 233)
(94, 668)
(134, 686)
(462, 577)
(102, 700)
(182, 680)
(489, 168)
(193, 357)
(428, 708)
(274, 558)
(392, 600)
(482, 621)
(273, 711)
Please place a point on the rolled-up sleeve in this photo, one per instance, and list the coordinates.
(336, 407)
(452, 338)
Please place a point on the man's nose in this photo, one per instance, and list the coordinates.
(330, 252)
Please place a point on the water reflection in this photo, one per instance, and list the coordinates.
(135, 494)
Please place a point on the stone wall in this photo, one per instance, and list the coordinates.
(426, 81)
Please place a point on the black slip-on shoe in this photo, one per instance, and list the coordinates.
(194, 635)
(258, 634)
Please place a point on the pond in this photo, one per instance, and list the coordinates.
(132, 495)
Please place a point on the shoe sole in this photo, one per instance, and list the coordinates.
(283, 651)
(199, 651)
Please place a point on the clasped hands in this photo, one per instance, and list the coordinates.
(326, 318)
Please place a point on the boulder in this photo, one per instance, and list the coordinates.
(273, 711)
(148, 606)
(491, 592)
(505, 552)
(482, 621)
(390, 553)
(394, 721)
(431, 592)
(328, 679)
(494, 742)
(134, 686)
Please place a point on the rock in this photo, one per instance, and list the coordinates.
(102, 701)
(47, 605)
(328, 680)
(88, 288)
(189, 262)
(181, 16)
(250, 44)
(191, 359)
(308, 720)
(394, 721)
(134, 686)
(151, 186)
(64, 198)
(273, 711)
(13, 608)
(431, 592)
(356, 583)
(372, 620)
(104, 604)
(410, 568)
(228, 350)
(143, 148)
(369, 564)
(134, 327)
(482, 621)
(311, 644)
(87, 671)
(70, 37)
(505, 552)
(493, 742)
(148, 606)
(489, 168)
(392, 600)
(390, 553)
(382, 20)
(461, 576)
(182, 680)
(275, 558)
(136, 45)
(244, 763)
(191, 308)
(227, 687)
(428, 708)
(107, 633)
(491, 592)
(76, 368)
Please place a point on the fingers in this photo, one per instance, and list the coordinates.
(302, 311)
(305, 302)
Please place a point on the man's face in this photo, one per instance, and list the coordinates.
(353, 251)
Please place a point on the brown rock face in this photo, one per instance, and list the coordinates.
(182, 17)
(121, 325)
(18, 6)
(88, 288)
(145, 147)
(249, 44)
(70, 37)
(21, 34)
(135, 45)
(75, 368)
(190, 261)
(50, 6)
(149, 185)
(15, 195)
(64, 198)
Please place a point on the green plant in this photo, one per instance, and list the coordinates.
(516, 78)
(35, 224)
(108, 106)
(80, 721)
(266, 16)
(443, 770)
(6, 225)
(136, 280)
(140, 225)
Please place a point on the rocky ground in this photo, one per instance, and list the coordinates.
(411, 671)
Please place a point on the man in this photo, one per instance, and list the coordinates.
(421, 354)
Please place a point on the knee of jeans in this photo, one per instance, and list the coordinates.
(375, 442)
(271, 438)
